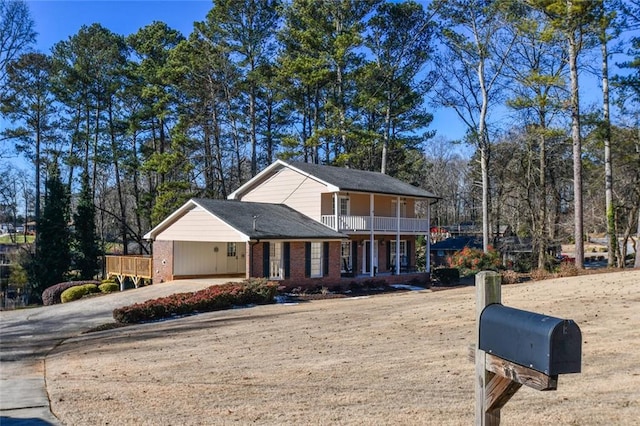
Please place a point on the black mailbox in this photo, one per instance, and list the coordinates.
(546, 344)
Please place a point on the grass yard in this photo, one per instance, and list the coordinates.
(19, 239)
(395, 359)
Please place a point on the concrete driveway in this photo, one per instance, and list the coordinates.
(28, 335)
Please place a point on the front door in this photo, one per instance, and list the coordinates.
(366, 254)
(235, 258)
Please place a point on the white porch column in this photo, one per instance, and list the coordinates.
(371, 236)
(336, 210)
(398, 236)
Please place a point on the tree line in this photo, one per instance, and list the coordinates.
(132, 126)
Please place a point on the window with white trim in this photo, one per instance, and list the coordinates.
(403, 208)
(231, 250)
(403, 253)
(344, 205)
(316, 260)
(345, 256)
(276, 271)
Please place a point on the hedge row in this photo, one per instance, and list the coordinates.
(213, 298)
(52, 295)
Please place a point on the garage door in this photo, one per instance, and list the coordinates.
(208, 258)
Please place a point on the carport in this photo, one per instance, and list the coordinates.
(210, 238)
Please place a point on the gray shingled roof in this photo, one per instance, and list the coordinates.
(273, 221)
(362, 181)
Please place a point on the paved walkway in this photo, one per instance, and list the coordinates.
(28, 335)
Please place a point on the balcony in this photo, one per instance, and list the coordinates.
(380, 224)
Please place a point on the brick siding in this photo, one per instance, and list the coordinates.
(162, 261)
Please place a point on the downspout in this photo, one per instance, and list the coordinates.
(398, 236)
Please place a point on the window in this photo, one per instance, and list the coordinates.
(275, 261)
(343, 206)
(231, 250)
(403, 253)
(403, 208)
(316, 260)
(345, 255)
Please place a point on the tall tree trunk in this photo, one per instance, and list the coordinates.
(37, 164)
(483, 142)
(136, 188)
(386, 135)
(608, 170)
(119, 190)
(542, 147)
(254, 138)
(577, 148)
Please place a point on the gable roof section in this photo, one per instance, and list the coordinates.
(362, 180)
(272, 221)
(341, 179)
(457, 243)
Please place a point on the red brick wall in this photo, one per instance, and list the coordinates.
(254, 263)
(162, 261)
(297, 254)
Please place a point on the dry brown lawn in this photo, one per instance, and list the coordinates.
(395, 359)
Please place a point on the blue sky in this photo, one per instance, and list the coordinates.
(57, 20)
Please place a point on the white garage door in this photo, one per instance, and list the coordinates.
(207, 258)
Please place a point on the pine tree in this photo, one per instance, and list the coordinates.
(51, 261)
(85, 239)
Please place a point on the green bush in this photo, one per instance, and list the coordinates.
(77, 292)
(108, 287)
(52, 295)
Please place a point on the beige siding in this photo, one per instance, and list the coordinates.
(199, 258)
(291, 188)
(199, 225)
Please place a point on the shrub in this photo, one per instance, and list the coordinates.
(108, 287)
(540, 274)
(217, 297)
(567, 270)
(52, 295)
(77, 292)
(471, 260)
(510, 277)
(447, 275)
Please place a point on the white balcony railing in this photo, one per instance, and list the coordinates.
(380, 224)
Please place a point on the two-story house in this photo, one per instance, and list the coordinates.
(303, 223)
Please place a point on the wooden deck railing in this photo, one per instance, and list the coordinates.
(134, 267)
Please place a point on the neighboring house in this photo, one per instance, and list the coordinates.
(306, 223)
(443, 250)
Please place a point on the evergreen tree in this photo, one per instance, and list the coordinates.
(85, 238)
(52, 258)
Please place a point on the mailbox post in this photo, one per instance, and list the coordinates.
(515, 348)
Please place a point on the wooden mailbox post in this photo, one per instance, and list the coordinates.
(515, 348)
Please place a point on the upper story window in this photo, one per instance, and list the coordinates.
(344, 208)
(403, 207)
